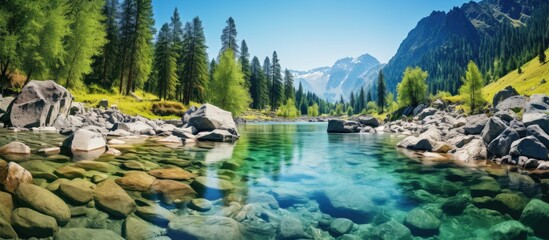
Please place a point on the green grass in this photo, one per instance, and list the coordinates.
(127, 104)
(527, 83)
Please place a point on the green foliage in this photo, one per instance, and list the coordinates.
(289, 90)
(276, 93)
(471, 90)
(392, 105)
(350, 111)
(338, 110)
(371, 107)
(258, 85)
(413, 88)
(228, 38)
(165, 64)
(361, 101)
(195, 61)
(245, 63)
(312, 111)
(288, 110)
(381, 92)
(228, 76)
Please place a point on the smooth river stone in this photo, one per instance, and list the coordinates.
(156, 214)
(171, 191)
(212, 188)
(136, 181)
(12, 175)
(97, 166)
(422, 223)
(78, 191)
(70, 172)
(86, 233)
(137, 229)
(204, 228)
(43, 201)
(15, 148)
(113, 199)
(30, 223)
(173, 173)
(6, 230)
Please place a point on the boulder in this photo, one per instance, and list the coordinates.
(137, 229)
(341, 226)
(217, 135)
(537, 132)
(212, 188)
(475, 124)
(156, 214)
(30, 223)
(510, 203)
(507, 115)
(43, 201)
(474, 150)
(136, 181)
(511, 229)
(342, 126)
(12, 175)
(529, 147)
(536, 216)
(392, 230)
(501, 146)
(209, 117)
(86, 233)
(422, 223)
(187, 115)
(455, 205)
(38, 104)
(505, 93)
(204, 228)
(77, 108)
(417, 143)
(369, 121)
(538, 103)
(290, 228)
(438, 104)
(113, 199)
(15, 148)
(519, 127)
(514, 103)
(103, 103)
(347, 204)
(78, 191)
(426, 112)
(486, 187)
(84, 140)
(174, 173)
(170, 191)
(536, 118)
(135, 127)
(418, 109)
(5, 103)
(493, 129)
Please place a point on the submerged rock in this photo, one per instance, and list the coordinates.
(113, 199)
(137, 229)
(392, 230)
(86, 233)
(12, 175)
(78, 191)
(536, 216)
(170, 191)
(342, 126)
(212, 188)
(422, 223)
(509, 230)
(30, 223)
(347, 204)
(204, 228)
(136, 181)
(455, 205)
(510, 203)
(6, 230)
(43, 201)
(486, 187)
(341, 226)
(173, 173)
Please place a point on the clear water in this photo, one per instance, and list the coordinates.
(304, 169)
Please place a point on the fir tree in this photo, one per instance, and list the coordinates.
(289, 90)
(352, 100)
(245, 62)
(228, 38)
(381, 92)
(195, 62)
(299, 94)
(542, 55)
(165, 64)
(268, 78)
(258, 85)
(361, 100)
(276, 92)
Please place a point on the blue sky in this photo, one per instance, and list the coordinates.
(307, 33)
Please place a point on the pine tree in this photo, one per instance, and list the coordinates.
(276, 92)
(245, 62)
(165, 64)
(258, 85)
(381, 92)
(368, 97)
(228, 77)
(352, 101)
(299, 94)
(195, 62)
(542, 55)
(228, 38)
(471, 90)
(268, 78)
(176, 27)
(361, 100)
(86, 38)
(289, 90)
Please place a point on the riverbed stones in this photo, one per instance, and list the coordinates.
(95, 165)
(392, 230)
(217, 135)
(113, 199)
(349, 204)
(156, 214)
(200, 204)
(30, 223)
(6, 230)
(455, 205)
(205, 228)
(12, 175)
(70, 172)
(137, 229)
(422, 223)
(290, 228)
(136, 181)
(174, 173)
(529, 147)
(15, 148)
(212, 188)
(43, 201)
(341, 226)
(536, 216)
(487, 186)
(78, 191)
(38, 104)
(170, 191)
(84, 140)
(511, 229)
(86, 233)
(511, 203)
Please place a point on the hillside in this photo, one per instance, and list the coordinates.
(527, 83)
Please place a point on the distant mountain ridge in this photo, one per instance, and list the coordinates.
(345, 76)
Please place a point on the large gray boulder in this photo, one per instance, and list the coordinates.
(493, 128)
(5, 103)
(205, 228)
(540, 119)
(474, 150)
(475, 124)
(84, 140)
(529, 147)
(38, 104)
(537, 132)
(538, 103)
(514, 103)
(217, 135)
(368, 121)
(209, 117)
(425, 113)
(502, 144)
(506, 93)
(417, 143)
(342, 126)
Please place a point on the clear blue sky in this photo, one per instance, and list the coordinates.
(307, 33)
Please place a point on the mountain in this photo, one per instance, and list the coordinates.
(345, 76)
(498, 35)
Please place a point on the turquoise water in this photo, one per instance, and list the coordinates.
(299, 171)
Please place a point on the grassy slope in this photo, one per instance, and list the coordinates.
(126, 104)
(527, 83)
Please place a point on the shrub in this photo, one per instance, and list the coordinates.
(288, 110)
(168, 108)
(312, 111)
